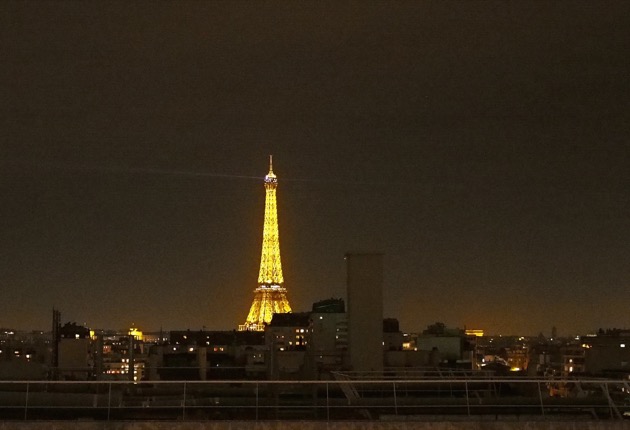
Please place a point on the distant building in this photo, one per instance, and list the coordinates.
(447, 347)
(572, 359)
(287, 338)
(517, 357)
(544, 359)
(329, 334)
(608, 353)
(24, 355)
(76, 361)
(392, 336)
(205, 355)
(123, 354)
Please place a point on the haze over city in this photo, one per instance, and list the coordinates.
(481, 146)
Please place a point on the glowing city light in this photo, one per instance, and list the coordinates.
(270, 296)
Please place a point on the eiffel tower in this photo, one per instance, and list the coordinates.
(270, 297)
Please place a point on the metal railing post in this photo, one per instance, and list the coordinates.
(26, 403)
(542, 406)
(395, 399)
(610, 403)
(184, 404)
(109, 401)
(327, 404)
(467, 398)
(614, 411)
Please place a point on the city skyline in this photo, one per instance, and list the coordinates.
(482, 147)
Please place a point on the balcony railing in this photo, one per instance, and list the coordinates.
(345, 399)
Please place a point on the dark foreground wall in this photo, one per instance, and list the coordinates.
(313, 425)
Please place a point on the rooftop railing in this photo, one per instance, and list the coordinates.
(344, 399)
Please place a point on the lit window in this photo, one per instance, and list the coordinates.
(301, 330)
(571, 369)
(570, 360)
(622, 345)
(321, 317)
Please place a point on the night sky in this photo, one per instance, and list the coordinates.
(483, 147)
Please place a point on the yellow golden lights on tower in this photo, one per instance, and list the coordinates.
(270, 297)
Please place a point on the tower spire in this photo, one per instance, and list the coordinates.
(271, 177)
(270, 295)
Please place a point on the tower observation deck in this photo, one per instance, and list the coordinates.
(270, 296)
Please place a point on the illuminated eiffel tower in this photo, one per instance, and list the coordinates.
(270, 297)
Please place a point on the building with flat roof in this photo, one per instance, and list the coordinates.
(365, 311)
